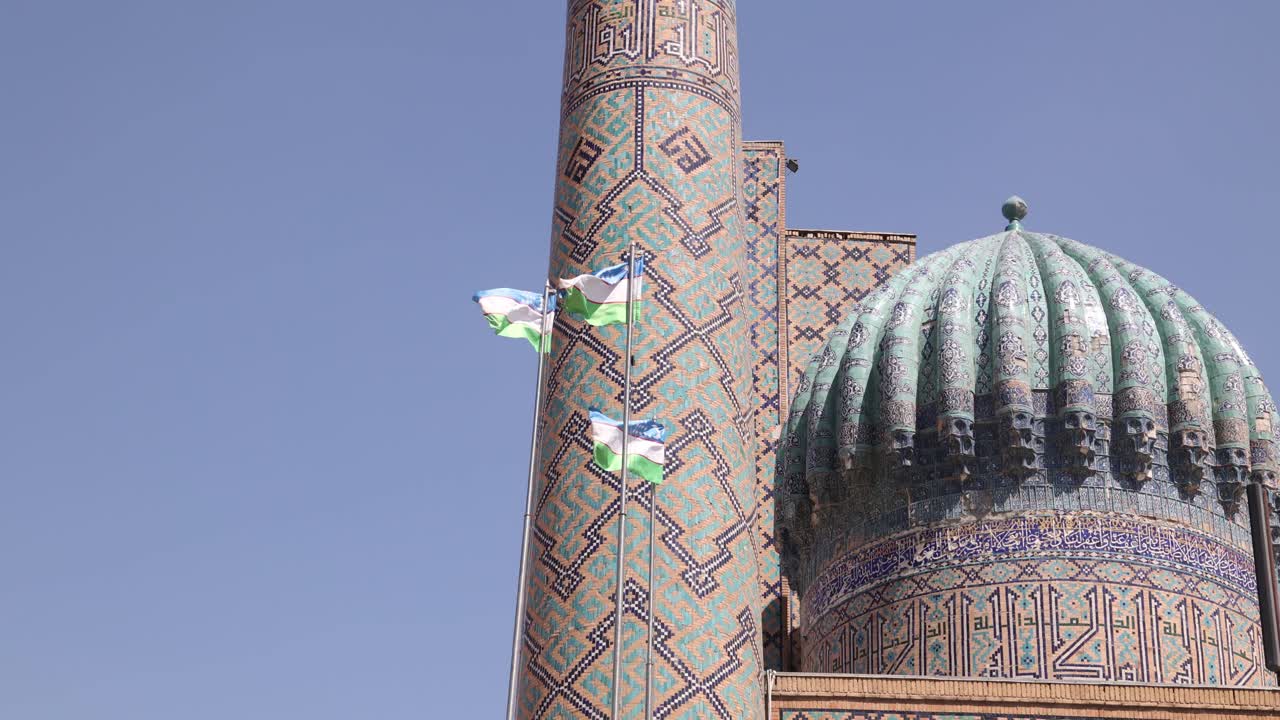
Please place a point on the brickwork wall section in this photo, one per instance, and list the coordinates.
(819, 697)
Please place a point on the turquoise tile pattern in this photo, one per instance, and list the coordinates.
(650, 153)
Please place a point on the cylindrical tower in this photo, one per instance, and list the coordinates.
(649, 148)
(1026, 458)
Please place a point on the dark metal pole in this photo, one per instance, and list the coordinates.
(1265, 565)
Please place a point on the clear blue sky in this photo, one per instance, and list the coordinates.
(260, 457)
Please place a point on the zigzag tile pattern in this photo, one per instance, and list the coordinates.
(763, 188)
(826, 273)
(650, 154)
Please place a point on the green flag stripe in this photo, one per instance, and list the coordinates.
(639, 465)
(504, 327)
(596, 314)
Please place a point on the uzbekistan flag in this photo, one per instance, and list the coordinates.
(645, 449)
(601, 298)
(518, 314)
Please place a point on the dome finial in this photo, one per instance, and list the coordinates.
(1015, 208)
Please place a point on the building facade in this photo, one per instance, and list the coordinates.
(979, 465)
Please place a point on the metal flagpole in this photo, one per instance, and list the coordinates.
(534, 455)
(648, 669)
(622, 506)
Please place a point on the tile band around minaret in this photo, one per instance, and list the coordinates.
(650, 142)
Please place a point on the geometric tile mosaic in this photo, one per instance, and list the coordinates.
(763, 196)
(1062, 597)
(781, 295)
(650, 155)
(797, 284)
(826, 274)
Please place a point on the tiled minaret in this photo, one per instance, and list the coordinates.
(650, 141)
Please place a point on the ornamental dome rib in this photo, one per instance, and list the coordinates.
(1017, 372)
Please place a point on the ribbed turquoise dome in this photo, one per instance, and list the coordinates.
(1012, 364)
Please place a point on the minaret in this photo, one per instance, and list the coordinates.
(650, 140)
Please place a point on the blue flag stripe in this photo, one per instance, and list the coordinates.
(524, 297)
(615, 274)
(647, 429)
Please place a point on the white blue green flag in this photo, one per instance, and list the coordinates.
(518, 314)
(600, 298)
(646, 448)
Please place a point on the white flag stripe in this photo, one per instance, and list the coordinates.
(611, 435)
(499, 305)
(516, 312)
(600, 292)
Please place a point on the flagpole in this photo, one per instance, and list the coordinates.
(648, 669)
(622, 500)
(521, 592)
